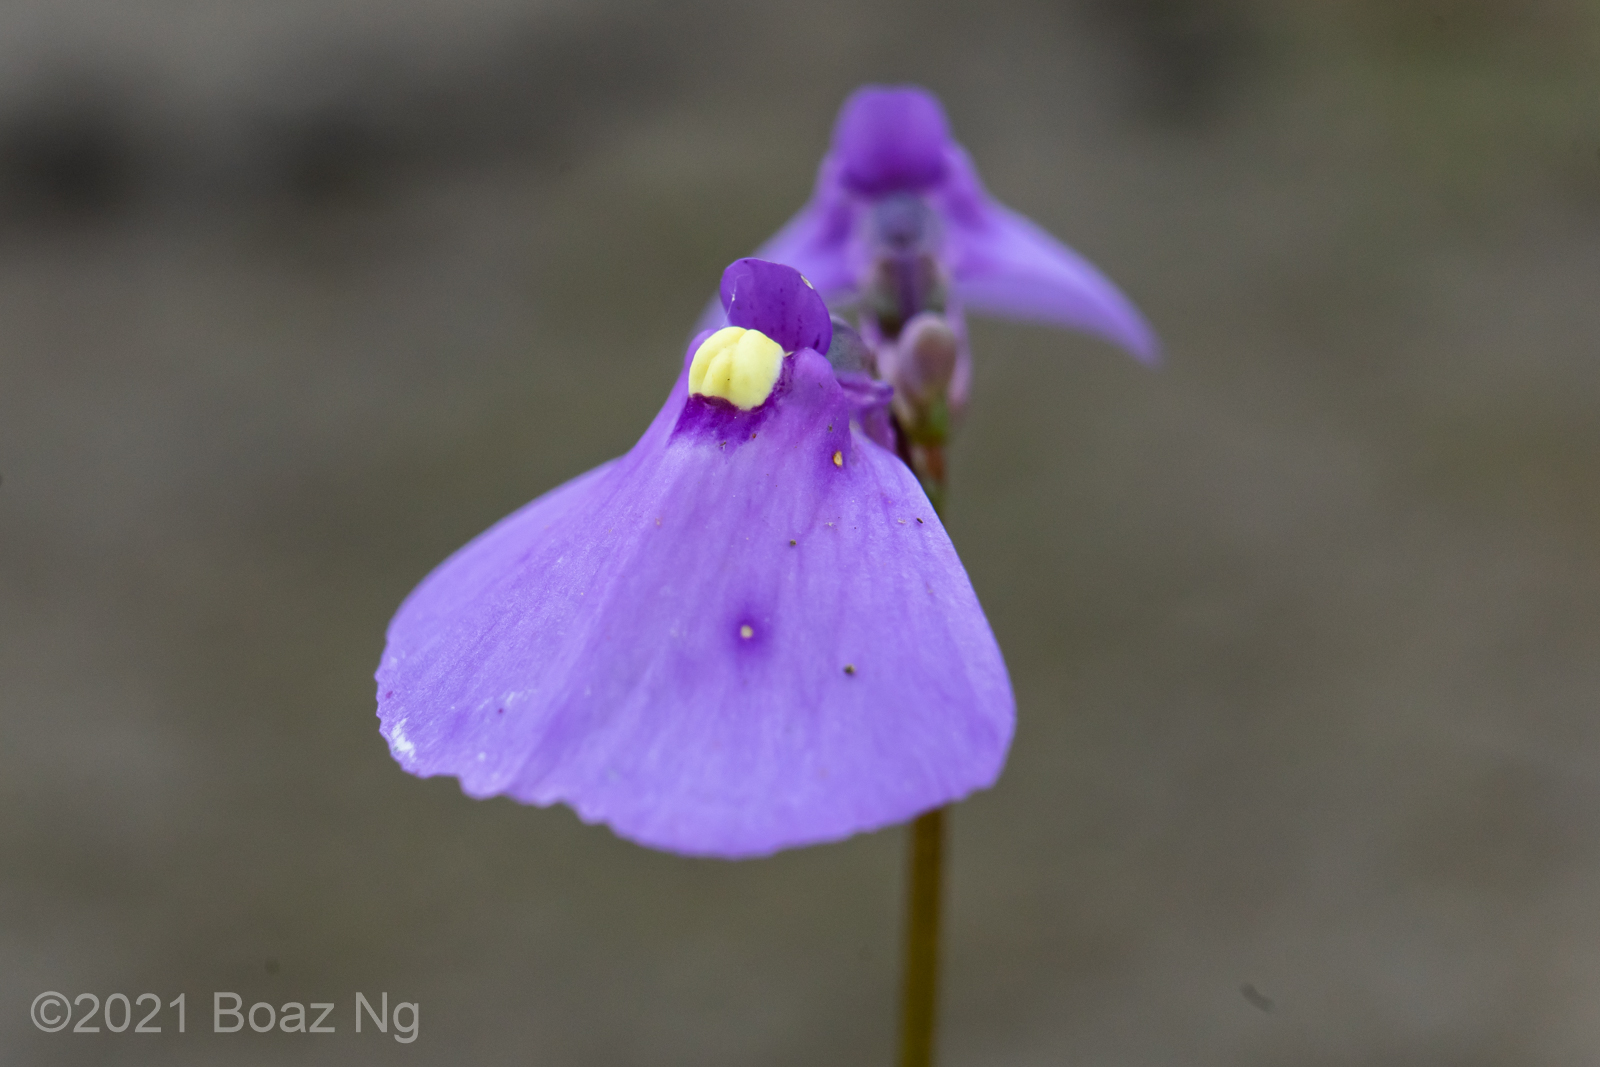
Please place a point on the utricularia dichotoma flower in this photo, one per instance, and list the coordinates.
(900, 231)
(748, 633)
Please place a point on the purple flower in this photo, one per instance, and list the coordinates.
(750, 632)
(899, 214)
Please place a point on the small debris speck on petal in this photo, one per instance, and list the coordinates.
(838, 459)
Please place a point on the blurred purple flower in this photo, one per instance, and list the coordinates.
(750, 632)
(899, 215)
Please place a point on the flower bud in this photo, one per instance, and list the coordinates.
(925, 361)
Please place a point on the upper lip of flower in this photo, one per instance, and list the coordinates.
(891, 140)
(895, 141)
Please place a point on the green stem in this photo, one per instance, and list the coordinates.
(919, 990)
(919, 995)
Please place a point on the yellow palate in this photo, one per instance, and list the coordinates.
(739, 365)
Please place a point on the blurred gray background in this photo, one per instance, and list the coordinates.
(297, 297)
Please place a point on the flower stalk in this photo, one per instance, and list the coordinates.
(919, 991)
(922, 418)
